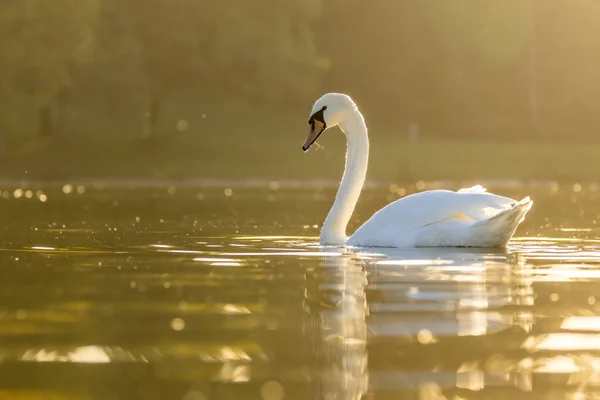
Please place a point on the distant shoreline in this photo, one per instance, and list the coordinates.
(289, 184)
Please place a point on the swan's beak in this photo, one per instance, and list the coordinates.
(316, 128)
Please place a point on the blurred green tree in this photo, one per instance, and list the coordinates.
(155, 48)
(44, 47)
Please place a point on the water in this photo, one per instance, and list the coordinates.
(202, 294)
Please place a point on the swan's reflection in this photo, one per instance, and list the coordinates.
(415, 297)
(343, 333)
(444, 292)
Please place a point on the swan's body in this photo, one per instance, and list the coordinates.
(435, 218)
(469, 217)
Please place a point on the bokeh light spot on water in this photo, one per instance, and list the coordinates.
(214, 259)
(78, 355)
(177, 324)
(67, 189)
(272, 390)
(591, 300)
(425, 336)
(18, 193)
(228, 192)
(274, 185)
(182, 125)
(581, 324)
(563, 341)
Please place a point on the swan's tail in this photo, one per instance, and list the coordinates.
(500, 228)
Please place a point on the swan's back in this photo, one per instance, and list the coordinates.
(404, 221)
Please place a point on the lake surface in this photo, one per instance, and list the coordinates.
(224, 293)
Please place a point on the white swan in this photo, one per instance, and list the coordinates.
(435, 218)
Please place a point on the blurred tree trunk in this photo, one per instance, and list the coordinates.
(532, 70)
(155, 106)
(46, 127)
(61, 120)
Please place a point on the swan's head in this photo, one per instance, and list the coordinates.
(330, 110)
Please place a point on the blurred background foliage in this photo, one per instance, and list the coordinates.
(190, 87)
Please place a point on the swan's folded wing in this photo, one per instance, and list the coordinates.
(435, 206)
(457, 216)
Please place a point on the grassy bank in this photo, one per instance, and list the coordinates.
(244, 143)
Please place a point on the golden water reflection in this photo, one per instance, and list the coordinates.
(287, 318)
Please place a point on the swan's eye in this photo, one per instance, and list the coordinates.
(318, 116)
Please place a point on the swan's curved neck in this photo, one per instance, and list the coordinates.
(357, 157)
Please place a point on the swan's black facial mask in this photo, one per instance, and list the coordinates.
(317, 126)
